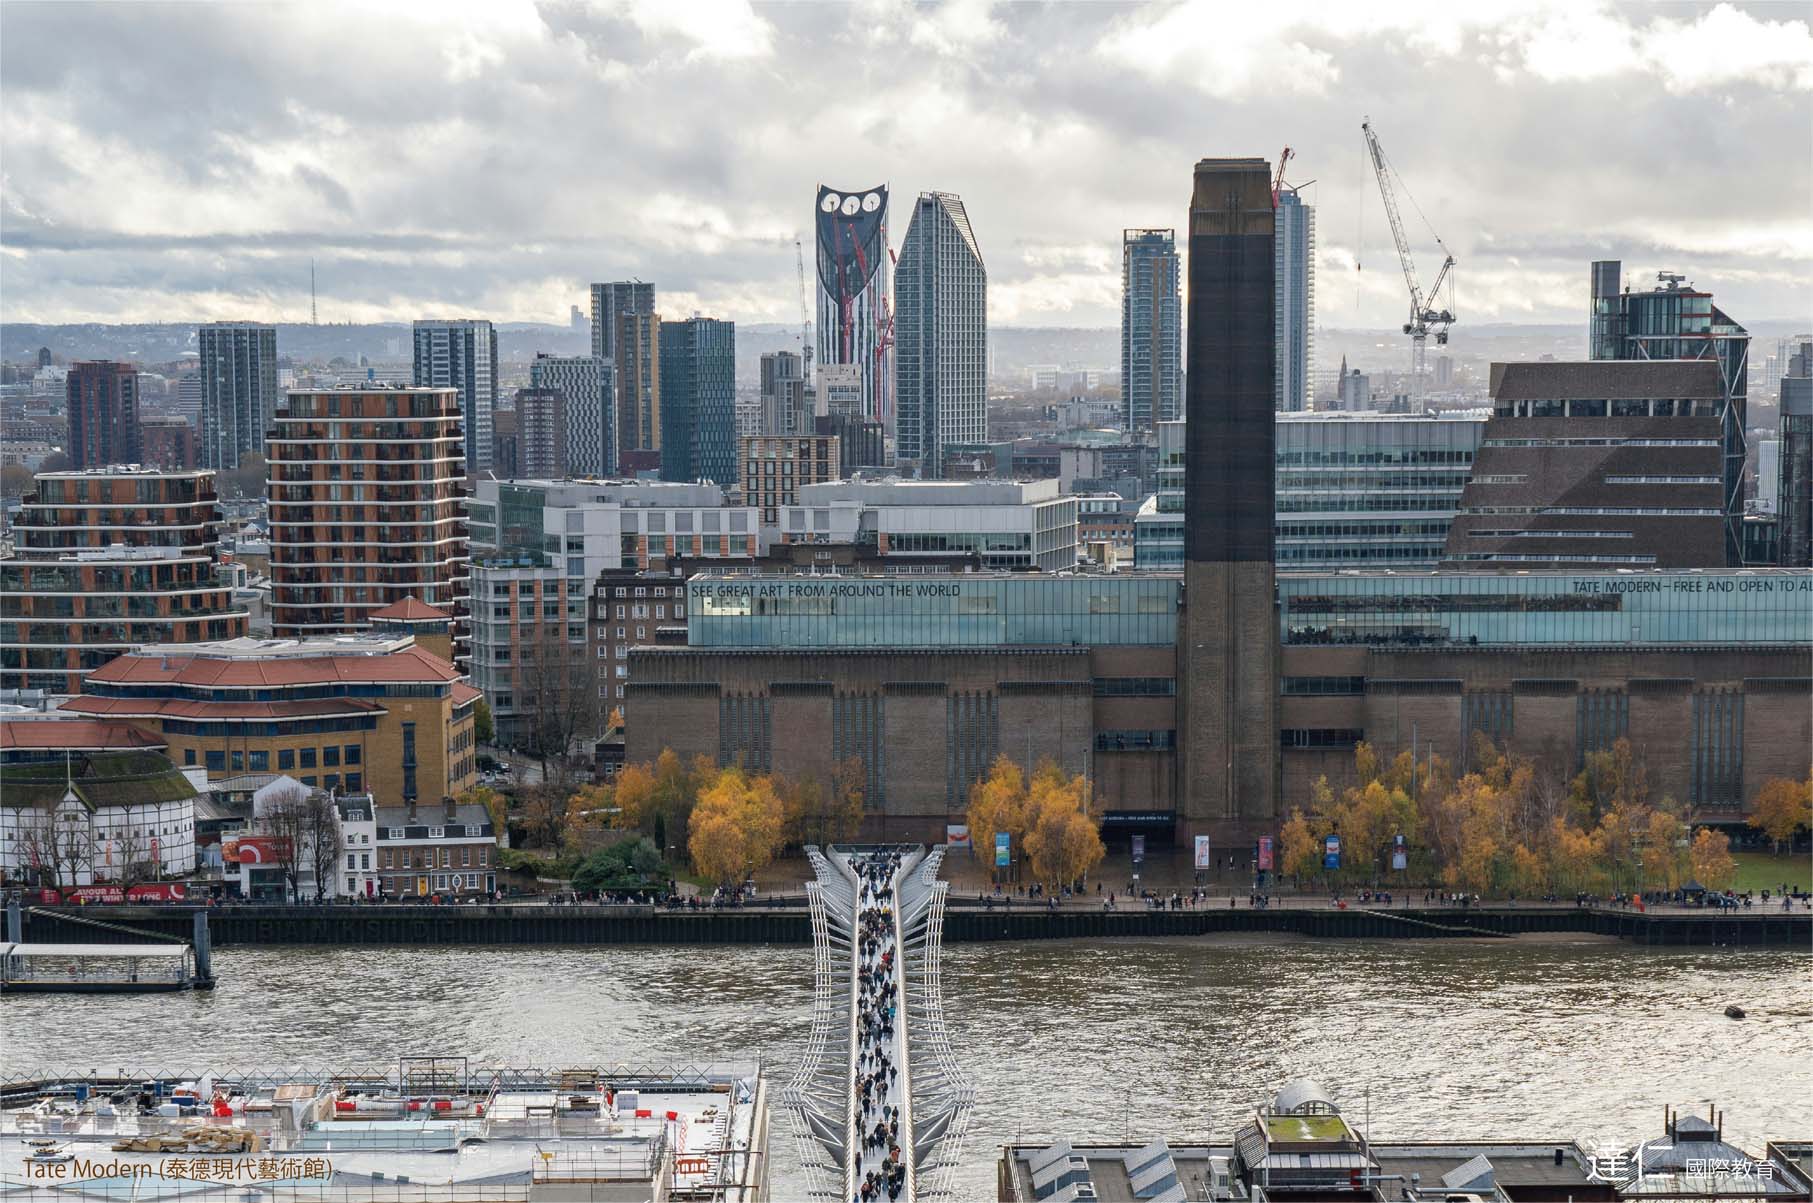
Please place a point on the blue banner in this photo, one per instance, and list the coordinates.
(1331, 852)
(1001, 849)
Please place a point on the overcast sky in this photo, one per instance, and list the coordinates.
(182, 162)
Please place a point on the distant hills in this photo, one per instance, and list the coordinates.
(389, 343)
(1012, 348)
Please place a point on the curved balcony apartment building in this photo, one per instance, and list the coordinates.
(106, 561)
(365, 493)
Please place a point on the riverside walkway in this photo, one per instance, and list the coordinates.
(879, 1106)
(789, 921)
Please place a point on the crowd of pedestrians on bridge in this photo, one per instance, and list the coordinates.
(877, 1076)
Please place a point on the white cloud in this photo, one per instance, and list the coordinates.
(1575, 42)
(717, 29)
(1234, 52)
(1054, 299)
(950, 29)
(1092, 256)
(958, 25)
(522, 150)
(685, 223)
(1716, 48)
(1220, 49)
(1727, 46)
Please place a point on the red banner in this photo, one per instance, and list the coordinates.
(254, 849)
(1265, 852)
(151, 891)
(158, 891)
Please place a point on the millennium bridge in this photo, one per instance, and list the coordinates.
(879, 1105)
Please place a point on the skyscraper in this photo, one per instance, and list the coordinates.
(188, 398)
(1151, 329)
(462, 355)
(1294, 310)
(166, 441)
(782, 391)
(353, 533)
(506, 444)
(609, 303)
(638, 365)
(1794, 473)
(1677, 321)
(542, 437)
(1228, 768)
(238, 390)
(853, 318)
(698, 401)
(586, 385)
(941, 335)
(103, 414)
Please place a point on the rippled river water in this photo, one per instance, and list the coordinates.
(1443, 1039)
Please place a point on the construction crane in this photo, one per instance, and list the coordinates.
(805, 315)
(1278, 180)
(885, 338)
(1424, 316)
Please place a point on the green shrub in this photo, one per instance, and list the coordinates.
(629, 865)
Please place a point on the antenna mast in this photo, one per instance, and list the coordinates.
(313, 318)
(805, 320)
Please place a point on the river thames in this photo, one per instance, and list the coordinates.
(1176, 1038)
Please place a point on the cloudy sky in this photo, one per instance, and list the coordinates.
(185, 161)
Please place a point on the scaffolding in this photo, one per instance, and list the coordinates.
(420, 1129)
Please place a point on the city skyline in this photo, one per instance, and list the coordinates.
(569, 729)
(409, 185)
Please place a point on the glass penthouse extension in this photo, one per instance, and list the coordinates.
(968, 610)
(1746, 607)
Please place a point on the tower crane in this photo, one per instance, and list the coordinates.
(805, 318)
(1278, 180)
(1424, 315)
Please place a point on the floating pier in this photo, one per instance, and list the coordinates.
(163, 962)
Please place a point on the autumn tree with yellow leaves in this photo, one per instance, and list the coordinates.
(1047, 818)
(592, 812)
(496, 805)
(1063, 840)
(1504, 827)
(751, 816)
(997, 803)
(657, 799)
(1576, 858)
(1713, 865)
(1299, 846)
(1367, 816)
(1782, 807)
(634, 794)
(738, 825)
